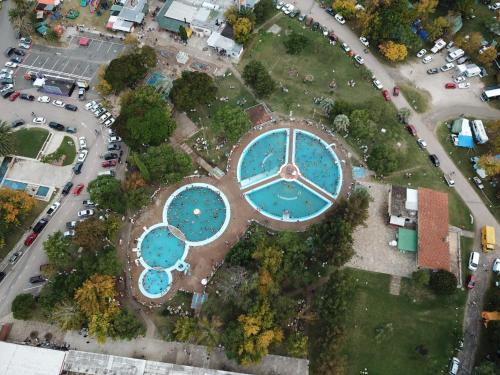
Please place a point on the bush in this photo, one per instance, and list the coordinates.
(443, 282)
(421, 277)
(295, 43)
(257, 77)
(23, 306)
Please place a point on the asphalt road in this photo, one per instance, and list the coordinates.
(425, 129)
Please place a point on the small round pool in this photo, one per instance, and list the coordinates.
(200, 211)
(159, 247)
(154, 283)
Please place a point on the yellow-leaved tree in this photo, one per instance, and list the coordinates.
(242, 29)
(490, 164)
(346, 7)
(426, 7)
(14, 204)
(488, 56)
(393, 51)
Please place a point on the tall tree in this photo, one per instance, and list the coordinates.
(6, 139)
(263, 10)
(107, 192)
(90, 234)
(242, 29)
(192, 89)
(23, 306)
(295, 43)
(165, 164)
(58, 249)
(257, 77)
(231, 122)
(208, 331)
(67, 315)
(14, 205)
(126, 326)
(20, 16)
(183, 33)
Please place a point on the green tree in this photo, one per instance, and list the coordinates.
(166, 164)
(67, 315)
(108, 263)
(192, 89)
(126, 326)
(185, 328)
(20, 16)
(231, 122)
(58, 249)
(6, 139)
(183, 33)
(145, 118)
(443, 282)
(263, 10)
(383, 159)
(106, 191)
(295, 43)
(257, 77)
(208, 332)
(23, 306)
(148, 57)
(421, 277)
(90, 234)
(136, 198)
(341, 123)
(297, 345)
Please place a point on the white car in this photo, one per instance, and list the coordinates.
(24, 45)
(364, 41)
(114, 139)
(39, 120)
(43, 99)
(5, 76)
(287, 9)
(359, 60)
(339, 18)
(10, 64)
(427, 59)
(459, 79)
(7, 71)
(104, 117)
(69, 233)
(82, 155)
(496, 265)
(421, 143)
(83, 143)
(7, 87)
(464, 85)
(474, 260)
(90, 105)
(421, 53)
(447, 67)
(85, 213)
(495, 6)
(58, 103)
(345, 47)
(52, 209)
(377, 83)
(109, 122)
(280, 5)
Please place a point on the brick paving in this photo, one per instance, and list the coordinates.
(204, 260)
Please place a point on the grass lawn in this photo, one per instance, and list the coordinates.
(418, 98)
(461, 158)
(326, 63)
(383, 330)
(85, 18)
(28, 142)
(238, 95)
(66, 149)
(16, 233)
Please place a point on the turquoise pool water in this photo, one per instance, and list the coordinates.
(160, 248)
(317, 163)
(287, 200)
(16, 185)
(263, 157)
(197, 211)
(156, 282)
(42, 191)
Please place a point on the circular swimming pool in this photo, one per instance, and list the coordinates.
(199, 211)
(289, 175)
(154, 283)
(159, 247)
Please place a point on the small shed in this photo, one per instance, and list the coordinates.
(84, 42)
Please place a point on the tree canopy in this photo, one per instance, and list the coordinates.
(23, 306)
(443, 282)
(107, 192)
(257, 77)
(263, 10)
(192, 89)
(231, 122)
(165, 164)
(58, 249)
(14, 206)
(144, 119)
(6, 140)
(295, 43)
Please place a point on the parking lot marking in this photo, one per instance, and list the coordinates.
(65, 65)
(85, 69)
(53, 66)
(33, 287)
(55, 72)
(33, 63)
(110, 46)
(46, 61)
(76, 66)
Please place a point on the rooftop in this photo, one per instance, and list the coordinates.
(407, 240)
(29, 360)
(433, 248)
(403, 202)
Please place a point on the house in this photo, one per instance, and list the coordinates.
(461, 129)
(126, 15)
(433, 248)
(225, 46)
(403, 206)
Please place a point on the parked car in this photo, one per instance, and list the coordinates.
(90, 105)
(447, 67)
(114, 147)
(434, 160)
(345, 47)
(71, 107)
(496, 265)
(71, 224)
(82, 155)
(450, 85)
(69, 233)
(39, 120)
(110, 156)
(43, 99)
(464, 85)
(104, 117)
(24, 45)
(474, 260)
(359, 59)
(10, 64)
(85, 213)
(364, 41)
(478, 182)
(56, 126)
(83, 143)
(411, 129)
(37, 279)
(330, 11)
(421, 143)
(58, 103)
(109, 122)
(70, 130)
(462, 60)
(88, 203)
(53, 208)
(109, 163)
(471, 282)
(421, 53)
(67, 188)
(453, 366)
(2, 276)
(40, 225)
(339, 18)
(459, 79)
(450, 44)
(377, 83)
(14, 257)
(7, 71)
(114, 138)
(315, 26)
(30, 239)
(18, 122)
(395, 91)
(7, 93)
(19, 52)
(386, 95)
(27, 97)
(427, 59)
(77, 168)
(16, 59)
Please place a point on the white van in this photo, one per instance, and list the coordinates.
(107, 173)
(473, 260)
(456, 54)
(454, 366)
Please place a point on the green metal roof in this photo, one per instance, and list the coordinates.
(169, 23)
(407, 240)
(116, 8)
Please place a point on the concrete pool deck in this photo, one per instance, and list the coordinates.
(204, 260)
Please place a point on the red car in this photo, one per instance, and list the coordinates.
(411, 129)
(109, 163)
(14, 96)
(78, 189)
(450, 85)
(395, 91)
(30, 239)
(472, 281)
(387, 96)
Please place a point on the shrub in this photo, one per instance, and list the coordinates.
(23, 306)
(443, 282)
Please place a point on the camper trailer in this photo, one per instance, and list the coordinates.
(455, 54)
(479, 132)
